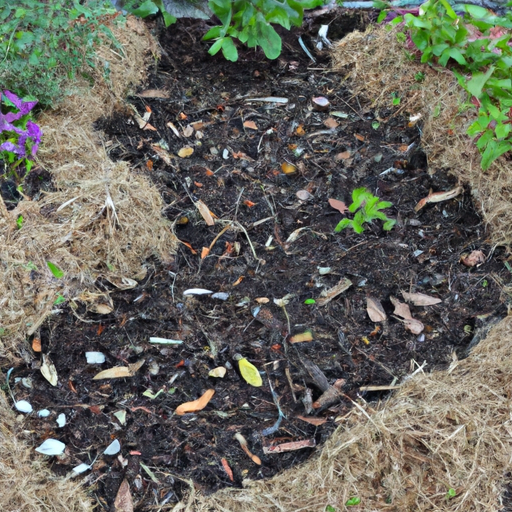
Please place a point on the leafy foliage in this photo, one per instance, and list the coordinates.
(478, 45)
(43, 43)
(367, 208)
(19, 135)
(147, 8)
(250, 21)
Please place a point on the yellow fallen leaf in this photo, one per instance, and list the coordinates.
(195, 405)
(185, 152)
(288, 168)
(303, 336)
(218, 372)
(250, 373)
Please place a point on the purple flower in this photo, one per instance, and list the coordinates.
(34, 132)
(9, 146)
(24, 107)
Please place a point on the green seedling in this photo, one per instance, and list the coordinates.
(352, 502)
(55, 270)
(367, 208)
(451, 493)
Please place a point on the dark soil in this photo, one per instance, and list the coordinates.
(236, 171)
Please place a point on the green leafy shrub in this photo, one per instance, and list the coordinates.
(44, 43)
(366, 208)
(478, 46)
(250, 21)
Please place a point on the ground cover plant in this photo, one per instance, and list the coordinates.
(44, 44)
(476, 46)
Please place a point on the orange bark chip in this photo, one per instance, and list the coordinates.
(195, 405)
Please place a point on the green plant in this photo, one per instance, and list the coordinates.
(19, 135)
(43, 43)
(148, 8)
(368, 208)
(478, 47)
(250, 21)
(352, 502)
(451, 493)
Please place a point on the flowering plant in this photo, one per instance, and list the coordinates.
(19, 135)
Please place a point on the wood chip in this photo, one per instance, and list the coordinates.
(420, 299)
(331, 293)
(289, 447)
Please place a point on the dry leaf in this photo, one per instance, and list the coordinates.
(204, 252)
(251, 125)
(330, 122)
(195, 405)
(100, 309)
(300, 130)
(262, 300)
(123, 501)
(338, 205)
(185, 152)
(49, 371)
(331, 293)
(474, 259)
(359, 137)
(119, 372)
(375, 310)
(437, 197)
(402, 310)
(343, 156)
(413, 325)
(303, 336)
(205, 212)
(303, 195)
(174, 129)
(154, 93)
(420, 299)
(313, 421)
(188, 131)
(289, 447)
(218, 372)
(163, 154)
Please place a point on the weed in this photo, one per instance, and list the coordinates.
(45, 42)
(368, 209)
(451, 493)
(478, 48)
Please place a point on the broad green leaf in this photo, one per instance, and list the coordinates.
(478, 81)
(169, 19)
(216, 46)
(359, 196)
(502, 130)
(268, 39)
(56, 271)
(213, 33)
(229, 49)
(146, 9)
(493, 151)
(342, 224)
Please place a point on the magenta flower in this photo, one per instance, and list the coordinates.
(24, 107)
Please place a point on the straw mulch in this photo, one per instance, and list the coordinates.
(103, 221)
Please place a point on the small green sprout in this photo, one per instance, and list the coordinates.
(59, 300)
(19, 222)
(352, 502)
(310, 301)
(419, 76)
(375, 125)
(56, 271)
(330, 508)
(368, 209)
(451, 493)
(396, 99)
